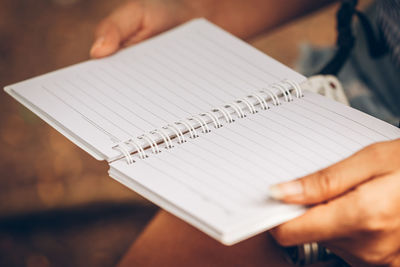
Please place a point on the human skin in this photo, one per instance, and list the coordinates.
(138, 20)
(355, 207)
(355, 204)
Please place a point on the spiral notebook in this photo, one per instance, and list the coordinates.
(200, 123)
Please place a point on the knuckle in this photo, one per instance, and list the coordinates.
(384, 154)
(376, 152)
(324, 184)
(374, 224)
(371, 214)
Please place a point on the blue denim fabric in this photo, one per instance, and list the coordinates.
(371, 85)
(388, 18)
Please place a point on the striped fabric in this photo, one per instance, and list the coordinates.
(388, 12)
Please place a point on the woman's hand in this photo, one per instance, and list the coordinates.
(138, 20)
(356, 210)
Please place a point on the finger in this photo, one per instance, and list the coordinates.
(117, 28)
(320, 223)
(338, 178)
(107, 42)
(140, 36)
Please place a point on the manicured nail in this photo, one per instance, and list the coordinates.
(281, 191)
(97, 44)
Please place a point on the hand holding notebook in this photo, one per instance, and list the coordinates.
(201, 124)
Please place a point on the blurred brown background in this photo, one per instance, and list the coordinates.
(57, 205)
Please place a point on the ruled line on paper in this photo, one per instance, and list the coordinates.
(284, 147)
(216, 74)
(189, 186)
(119, 119)
(133, 102)
(223, 70)
(184, 93)
(236, 54)
(97, 126)
(138, 93)
(256, 151)
(229, 65)
(196, 69)
(163, 98)
(240, 160)
(99, 113)
(290, 134)
(350, 119)
(128, 97)
(330, 131)
(238, 186)
(182, 75)
(325, 116)
(183, 98)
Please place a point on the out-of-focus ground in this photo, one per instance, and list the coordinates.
(58, 207)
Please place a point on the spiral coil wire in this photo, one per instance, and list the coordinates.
(218, 117)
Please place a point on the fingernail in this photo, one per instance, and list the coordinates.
(281, 191)
(97, 44)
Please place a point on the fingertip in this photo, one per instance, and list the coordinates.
(106, 43)
(97, 47)
(275, 192)
(288, 192)
(103, 47)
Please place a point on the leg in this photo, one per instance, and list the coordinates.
(168, 241)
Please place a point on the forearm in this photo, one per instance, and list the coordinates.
(246, 18)
(137, 20)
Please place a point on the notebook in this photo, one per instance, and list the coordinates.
(201, 124)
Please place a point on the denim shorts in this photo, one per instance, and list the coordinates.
(371, 85)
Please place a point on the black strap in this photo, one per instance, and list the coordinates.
(376, 45)
(346, 40)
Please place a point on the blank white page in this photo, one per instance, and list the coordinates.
(182, 72)
(219, 181)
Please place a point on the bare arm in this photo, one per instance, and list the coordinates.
(137, 20)
(247, 18)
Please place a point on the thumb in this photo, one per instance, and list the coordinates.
(124, 22)
(107, 40)
(334, 180)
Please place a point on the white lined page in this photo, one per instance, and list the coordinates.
(185, 71)
(219, 181)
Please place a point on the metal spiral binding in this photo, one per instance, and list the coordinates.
(122, 147)
(225, 113)
(139, 148)
(164, 136)
(201, 121)
(151, 142)
(214, 119)
(192, 130)
(272, 95)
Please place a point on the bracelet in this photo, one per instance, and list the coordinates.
(309, 253)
